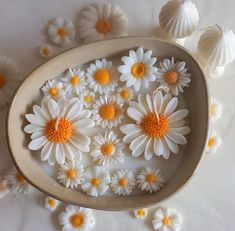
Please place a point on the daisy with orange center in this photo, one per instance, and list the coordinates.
(214, 142)
(158, 128)
(140, 213)
(125, 94)
(45, 51)
(88, 98)
(61, 127)
(4, 190)
(215, 109)
(102, 21)
(51, 204)
(53, 89)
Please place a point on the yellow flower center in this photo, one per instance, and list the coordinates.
(107, 149)
(54, 91)
(102, 76)
(75, 80)
(122, 182)
(153, 127)
(213, 109)
(166, 221)
(71, 173)
(62, 32)
(3, 80)
(95, 181)
(76, 220)
(141, 212)
(51, 202)
(108, 111)
(211, 142)
(171, 77)
(87, 98)
(150, 178)
(45, 51)
(20, 178)
(103, 26)
(138, 70)
(60, 133)
(125, 94)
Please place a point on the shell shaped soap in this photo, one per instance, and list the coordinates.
(216, 46)
(179, 18)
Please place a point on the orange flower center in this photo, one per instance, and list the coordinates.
(3, 80)
(211, 142)
(153, 127)
(60, 133)
(171, 77)
(166, 221)
(45, 51)
(54, 91)
(103, 26)
(108, 111)
(87, 98)
(122, 182)
(71, 173)
(75, 80)
(20, 178)
(95, 181)
(141, 212)
(125, 94)
(51, 202)
(107, 149)
(138, 70)
(213, 108)
(62, 32)
(76, 220)
(150, 178)
(102, 76)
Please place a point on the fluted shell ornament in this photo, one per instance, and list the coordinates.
(179, 19)
(216, 49)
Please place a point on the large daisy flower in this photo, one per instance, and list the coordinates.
(9, 79)
(215, 109)
(102, 21)
(50, 203)
(61, 31)
(159, 129)
(53, 89)
(58, 128)
(102, 76)
(213, 143)
(4, 190)
(76, 219)
(74, 81)
(107, 111)
(173, 75)
(87, 97)
(138, 69)
(108, 149)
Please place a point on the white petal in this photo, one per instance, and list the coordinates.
(134, 114)
(158, 147)
(37, 143)
(171, 106)
(46, 151)
(180, 114)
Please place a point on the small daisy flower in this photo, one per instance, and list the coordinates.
(102, 76)
(4, 190)
(74, 81)
(125, 94)
(150, 179)
(9, 79)
(140, 213)
(53, 89)
(215, 109)
(61, 31)
(123, 182)
(51, 204)
(101, 21)
(173, 75)
(70, 174)
(213, 143)
(138, 69)
(108, 149)
(58, 128)
(76, 219)
(45, 51)
(166, 219)
(96, 180)
(87, 98)
(17, 183)
(107, 111)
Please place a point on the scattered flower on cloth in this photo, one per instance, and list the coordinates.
(59, 129)
(9, 79)
(123, 182)
(173, 75)
(96, 180)
(61, 31)
(76, 219)
(138, 69)
(51, 204)
(45, 51)
(53, 89)
(150, 179)
(166, 219)
(125, 94)
(101, 21)
(4, 190)
(158, 129)
(87, 97)
(213, 143)
(140, 213)
(215, 109)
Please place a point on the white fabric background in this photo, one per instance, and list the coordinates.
(208, 202)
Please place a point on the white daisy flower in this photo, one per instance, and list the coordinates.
(101, 21)
(61, 31)
(70, 174)
(140, 213)
(108, 149)
(173, 75)
(96, 180)
(17, 183)
(159, 129)
(123, 182)
(107, 111)
(166, 219)
(74, 81)
(87, 97)
(102, 76)
(150, 179)
(125, 94)
(59, 129)
(45, 51)
(213, 143)
(4, 190)
(9, 80)
(138, 69)
(215, 109)
(76, 219)
(53, 89)
(51, 204)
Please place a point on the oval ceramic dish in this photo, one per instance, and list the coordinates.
(196, 99)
